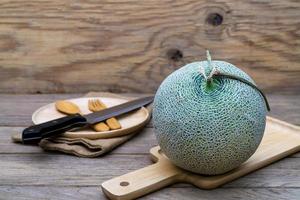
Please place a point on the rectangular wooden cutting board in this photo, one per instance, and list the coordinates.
(280, 140)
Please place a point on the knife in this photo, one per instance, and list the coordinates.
(35, 133)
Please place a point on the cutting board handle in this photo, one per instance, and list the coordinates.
(141, 182)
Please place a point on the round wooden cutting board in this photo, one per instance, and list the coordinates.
(129, 122)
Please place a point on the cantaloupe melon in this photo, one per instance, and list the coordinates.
(206, 124)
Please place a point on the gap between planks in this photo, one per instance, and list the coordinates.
(94, 193)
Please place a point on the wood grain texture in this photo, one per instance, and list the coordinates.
(139, 144)
(62, 170)
(27, 172)
(130, 123)
(93, 193)
(280, 139)
(16, 110)
(131, 46)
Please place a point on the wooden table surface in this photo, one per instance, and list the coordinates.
(27, 172)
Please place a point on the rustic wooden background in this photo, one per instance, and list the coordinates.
(54, 46)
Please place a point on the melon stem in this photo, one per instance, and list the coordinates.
(213, 71)
(211, 68)
(208, 57)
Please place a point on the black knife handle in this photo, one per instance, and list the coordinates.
(35, 133)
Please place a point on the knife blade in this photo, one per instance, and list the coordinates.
(35, 133)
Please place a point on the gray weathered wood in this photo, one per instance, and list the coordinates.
(222, 193)
(27, 172)
(60, 170)
(16, 110)
(192, 193)
(140, 144)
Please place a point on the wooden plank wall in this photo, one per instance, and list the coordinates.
(54, 46)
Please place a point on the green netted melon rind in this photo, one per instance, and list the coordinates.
(208, 130)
